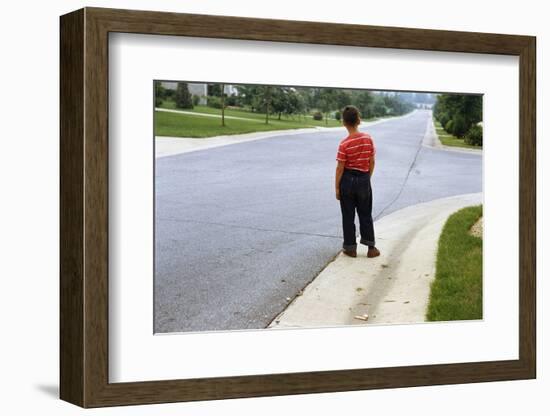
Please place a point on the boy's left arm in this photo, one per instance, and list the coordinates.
(338, 177)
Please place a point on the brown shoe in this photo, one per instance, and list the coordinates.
(373, 252)
(351, 253)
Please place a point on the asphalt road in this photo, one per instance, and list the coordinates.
(241, 229)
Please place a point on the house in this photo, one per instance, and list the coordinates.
(199, 89)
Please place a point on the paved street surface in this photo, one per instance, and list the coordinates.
(241, 229)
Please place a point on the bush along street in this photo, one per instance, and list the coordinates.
(459, 120)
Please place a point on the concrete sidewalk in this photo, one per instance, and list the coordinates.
(168, 146)
(195, 113)
(392, 288)
(431, 139)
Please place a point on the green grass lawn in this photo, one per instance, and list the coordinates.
(456, 292)
(187, 125)
(203, 109)
(449, 140)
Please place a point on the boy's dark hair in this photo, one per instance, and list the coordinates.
(350, 115)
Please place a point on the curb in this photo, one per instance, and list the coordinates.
(431, 139)
(170, 146)
(392, 288)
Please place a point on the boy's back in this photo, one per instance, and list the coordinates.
(356, 151)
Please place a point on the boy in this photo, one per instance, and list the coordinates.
(353, 188)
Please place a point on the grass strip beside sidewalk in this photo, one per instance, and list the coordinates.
(193, 123)
(447, 139)
(186, 125)
(456, 292)
(308, 120)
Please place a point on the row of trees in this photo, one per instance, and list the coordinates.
(275, 101)
(460, 116)
(325, 103)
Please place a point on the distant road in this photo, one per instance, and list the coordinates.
(242, 228)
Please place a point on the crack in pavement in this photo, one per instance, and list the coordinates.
(379, 215)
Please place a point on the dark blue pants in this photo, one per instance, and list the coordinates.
(356, 195)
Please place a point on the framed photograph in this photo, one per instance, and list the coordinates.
(255, 207)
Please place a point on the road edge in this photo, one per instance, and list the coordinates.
(171, 146)
(383, 288)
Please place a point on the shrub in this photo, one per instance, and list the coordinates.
(196, 100)
(183, 96)
(231, 100)
(460, 126)
(444, 119)
(338, 115)
(317, 116)
(474, 136)
(214, 102)
(449, 126)
(379, 109)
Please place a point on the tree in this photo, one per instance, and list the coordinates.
(294, 102)
(363, 100)
(460, 125)
(267, 102)
(246, 95)
(342, 98)
(379, 108)
(214, 90)
(183, 96)
(305, 96)
(223, 103)
(159, 93)
(464, 110)
(396, 105)
(261, 97)
(279, 100)
(309, 98)
(326, 101)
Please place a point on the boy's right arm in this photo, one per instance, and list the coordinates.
(371, 165)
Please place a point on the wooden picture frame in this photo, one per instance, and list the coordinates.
(84, 207)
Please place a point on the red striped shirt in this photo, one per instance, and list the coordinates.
(356, 150)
